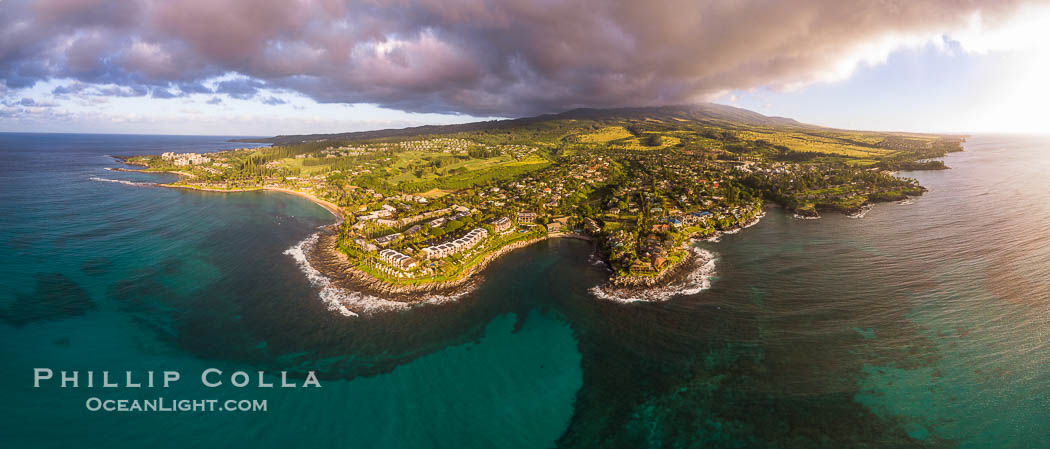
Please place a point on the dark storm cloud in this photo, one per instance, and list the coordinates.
(470, 56)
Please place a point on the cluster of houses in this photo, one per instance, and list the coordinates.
(183, 159)
(446, 249)
(446, 145)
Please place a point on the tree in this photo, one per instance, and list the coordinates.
(653, 140)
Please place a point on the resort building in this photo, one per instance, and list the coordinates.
(387, 239)
(446, 249)
(397, 259)
(183, 159)
(365, 245)
(414, 229)
(437, 222)
(526, 217)
(501, 224)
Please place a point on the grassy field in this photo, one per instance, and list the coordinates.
(607, 134)
(816, 143)
(435, 193)
(635, 144)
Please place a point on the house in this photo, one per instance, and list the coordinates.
(590, 225)
(559, 224)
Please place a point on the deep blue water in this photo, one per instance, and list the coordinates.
(919, 325)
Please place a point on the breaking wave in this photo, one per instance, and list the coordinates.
(121, 181)
(347, 302)
(805, 217)
(862, 212)
(717, 237)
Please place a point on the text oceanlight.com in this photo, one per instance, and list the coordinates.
(175, 405)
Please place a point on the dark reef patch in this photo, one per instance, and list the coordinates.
(97, 267)
(56, 296)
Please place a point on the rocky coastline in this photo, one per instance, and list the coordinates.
(628, 282)
(326, 258)
(856, 211)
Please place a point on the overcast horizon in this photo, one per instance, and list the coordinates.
(323, 66)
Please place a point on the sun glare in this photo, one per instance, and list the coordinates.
(1017, 97)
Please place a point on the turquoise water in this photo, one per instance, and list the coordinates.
(919, 325)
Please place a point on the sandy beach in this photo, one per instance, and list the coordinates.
(335, 210)
(328, 205)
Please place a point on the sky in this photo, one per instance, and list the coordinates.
(269, 67)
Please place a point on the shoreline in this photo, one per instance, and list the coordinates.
(325, 257)
(329, 206)
(687, 276)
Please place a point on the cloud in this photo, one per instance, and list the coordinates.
(158, 92)
(194, 88)
(498, 57)
(241, 89)
(74, 88)
(215, 100)
(27, 102)
(273, 101)
(137, 90)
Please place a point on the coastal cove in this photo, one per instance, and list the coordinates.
(918, 325)
(481, 224)
(353, 292)
(426, 209)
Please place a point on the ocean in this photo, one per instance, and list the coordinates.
(923, 324)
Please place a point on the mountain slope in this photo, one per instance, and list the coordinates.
(704, 113)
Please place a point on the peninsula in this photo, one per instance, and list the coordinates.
(421, 209)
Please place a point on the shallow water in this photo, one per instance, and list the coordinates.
(918, 325)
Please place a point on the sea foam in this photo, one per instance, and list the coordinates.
(347, 302)
(862, 212)
(696, 281)
(121, 181)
